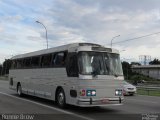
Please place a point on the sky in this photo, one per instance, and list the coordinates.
(70, 21)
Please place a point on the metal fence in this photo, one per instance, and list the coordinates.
(148, 90)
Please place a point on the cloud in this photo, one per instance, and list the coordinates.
(11, 19)
(135, 52)
(1, 28)
(69, 21)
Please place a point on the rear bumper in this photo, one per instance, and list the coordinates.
(100, 102)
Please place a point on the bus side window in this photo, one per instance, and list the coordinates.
(13, 66)
(27, 62)
(72, 66)
(46, 60)
(35, 61)
(59, 59)
(20, 63)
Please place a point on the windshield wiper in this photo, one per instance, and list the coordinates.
(94, 73)
(115, 75)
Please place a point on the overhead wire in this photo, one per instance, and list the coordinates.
(136, 38)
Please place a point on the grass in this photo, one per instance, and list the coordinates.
(142, 91)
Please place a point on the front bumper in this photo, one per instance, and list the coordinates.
(100, 102)
(127, 92)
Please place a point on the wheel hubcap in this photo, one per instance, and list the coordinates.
(61, 98)
(19, 90)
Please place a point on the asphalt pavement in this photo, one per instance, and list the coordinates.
(134, 108)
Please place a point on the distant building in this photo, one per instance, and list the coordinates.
(148, 70)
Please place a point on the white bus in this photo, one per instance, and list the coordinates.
(81, 74)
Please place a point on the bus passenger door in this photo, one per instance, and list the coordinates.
(72, 73)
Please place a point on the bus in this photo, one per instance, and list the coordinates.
(80, 74)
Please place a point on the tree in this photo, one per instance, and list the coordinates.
(1, 69)
(6, 66)
(155, 62)
(126, 69)
(133, 77)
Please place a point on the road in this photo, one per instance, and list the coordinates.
(133, 109)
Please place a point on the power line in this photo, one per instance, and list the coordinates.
(136, 38)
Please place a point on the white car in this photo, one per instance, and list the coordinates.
(129, 89)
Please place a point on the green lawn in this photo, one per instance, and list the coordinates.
(142, 91)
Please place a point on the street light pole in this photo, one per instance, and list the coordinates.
(46, 32)
(113, 39)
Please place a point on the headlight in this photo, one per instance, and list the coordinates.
(91, 92)
(135, 89)
(118, 92)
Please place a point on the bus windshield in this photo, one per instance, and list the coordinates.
(99, 63)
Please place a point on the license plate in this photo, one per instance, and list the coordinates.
(105, 101)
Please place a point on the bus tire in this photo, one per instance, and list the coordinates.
(19, 90)
(60, 98)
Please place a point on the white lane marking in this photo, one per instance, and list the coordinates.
(142, 101)
(47, 106)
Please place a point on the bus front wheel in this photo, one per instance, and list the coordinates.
(61, 99)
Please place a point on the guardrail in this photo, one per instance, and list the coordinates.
(148, 90)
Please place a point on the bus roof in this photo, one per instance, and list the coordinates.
(57, 49)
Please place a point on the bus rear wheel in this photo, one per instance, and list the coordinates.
(19, 90)
(60, 98)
